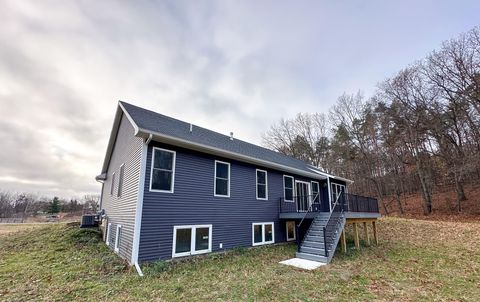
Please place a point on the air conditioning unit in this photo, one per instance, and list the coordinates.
(89, 221)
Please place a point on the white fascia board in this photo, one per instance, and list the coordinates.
(227, 154)
(113, 134)
(331, 176)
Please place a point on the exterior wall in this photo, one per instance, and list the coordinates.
(193, 203)
(121, 210)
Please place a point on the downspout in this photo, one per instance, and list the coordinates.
(139, 208)
(101, 193)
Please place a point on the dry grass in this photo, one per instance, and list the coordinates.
(7, 228)
(415, 261)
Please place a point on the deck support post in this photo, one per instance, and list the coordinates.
(375, 237)
(343, 241)
(355, 231)
(365, 229)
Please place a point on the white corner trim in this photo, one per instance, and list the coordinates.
(139, 207)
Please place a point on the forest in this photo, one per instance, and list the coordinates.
(417, 134)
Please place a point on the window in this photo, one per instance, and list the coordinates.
(336, 190)
(222, 179)
(112, 185)
(107, 237)
(118, 237)
(288, 188)
(262, 233)
(191, 240)
(290, 230)
(120, 180)
(262, 188)
(163, 170)
(315, 192)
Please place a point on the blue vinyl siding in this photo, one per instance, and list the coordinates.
(193, 202)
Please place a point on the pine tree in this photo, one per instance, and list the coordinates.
(54, 207)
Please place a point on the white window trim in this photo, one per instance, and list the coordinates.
(311, 190)
(294, 230)
(121, 177)
(112, 185)
(266, 184)
(293, 188)
(336, 188)
(263, 233)
(192, 242)
(109, 229)
(174, 161)
(215, 180)
(117, 238)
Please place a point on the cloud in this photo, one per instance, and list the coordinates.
(228, 66)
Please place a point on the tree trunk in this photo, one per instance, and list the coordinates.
(427, 198)
(399, 203)
(460, 192)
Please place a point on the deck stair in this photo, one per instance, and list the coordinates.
(323, 235)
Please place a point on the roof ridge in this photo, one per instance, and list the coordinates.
(215, 132)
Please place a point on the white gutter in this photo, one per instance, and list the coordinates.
(221, 152)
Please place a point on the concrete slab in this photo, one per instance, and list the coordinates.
(303, 263)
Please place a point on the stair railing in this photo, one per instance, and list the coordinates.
(297, 227)
(333, 222)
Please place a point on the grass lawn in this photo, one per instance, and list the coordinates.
(415, 261)
(6, 228)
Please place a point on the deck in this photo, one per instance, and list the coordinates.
(308, 207)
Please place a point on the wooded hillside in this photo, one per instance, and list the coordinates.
(418, 134)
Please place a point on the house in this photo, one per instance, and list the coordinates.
(172, 189)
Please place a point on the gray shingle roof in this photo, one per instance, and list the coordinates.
(150, 121)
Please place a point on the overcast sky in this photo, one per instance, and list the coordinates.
(229, 66)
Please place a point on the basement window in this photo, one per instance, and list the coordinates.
(263, 233)
(118, 237)
(191, 240)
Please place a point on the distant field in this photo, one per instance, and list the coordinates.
(7, 228)
(415, 261)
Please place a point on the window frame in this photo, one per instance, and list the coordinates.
(263, 242)
(112, 185)
(293, 188)
(174, 161)
(294, 231)
(121, 176)
(193, 233)
(215, 180)
(107, 237)
(266, 184)
(117, 238)
(311, 190)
